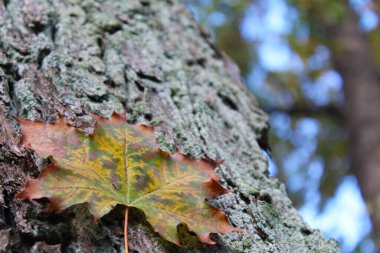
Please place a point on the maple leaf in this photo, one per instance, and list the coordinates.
(122, 164)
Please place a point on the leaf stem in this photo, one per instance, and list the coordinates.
(126, 230)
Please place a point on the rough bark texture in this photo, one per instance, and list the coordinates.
(73, 57)
(354, 60)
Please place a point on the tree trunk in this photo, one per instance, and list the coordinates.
(70, 58)
(354, 60)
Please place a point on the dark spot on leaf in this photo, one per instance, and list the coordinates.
(143, 180)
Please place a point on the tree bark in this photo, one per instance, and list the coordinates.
(70, 58)
(354, 60)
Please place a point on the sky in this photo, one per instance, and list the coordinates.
(344, 216)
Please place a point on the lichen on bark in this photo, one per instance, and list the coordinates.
(75, 57)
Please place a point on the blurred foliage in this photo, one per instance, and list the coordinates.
(304, 96)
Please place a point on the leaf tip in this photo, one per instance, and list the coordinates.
(213, 188)
(205, 238)
(95, 218)
(30, 191)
